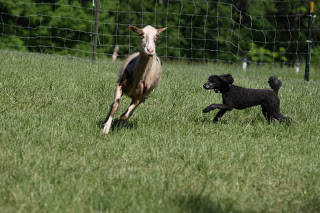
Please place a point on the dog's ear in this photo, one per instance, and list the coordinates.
(228, 78)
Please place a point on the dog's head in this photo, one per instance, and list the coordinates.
(219, 82)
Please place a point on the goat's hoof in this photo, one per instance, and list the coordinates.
(105, 130)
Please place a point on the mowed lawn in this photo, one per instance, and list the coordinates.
(169, 158)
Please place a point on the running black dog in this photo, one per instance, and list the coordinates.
(241, 98)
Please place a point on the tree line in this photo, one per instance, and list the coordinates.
(203, 31)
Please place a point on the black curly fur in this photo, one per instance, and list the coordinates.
(274, 83)
(241, 98)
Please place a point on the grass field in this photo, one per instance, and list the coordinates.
(170, 158)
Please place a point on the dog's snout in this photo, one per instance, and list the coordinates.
(206, 86)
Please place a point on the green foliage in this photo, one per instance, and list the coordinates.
(263, 55)
(62, 27)
(14, 42)
(197, 30)
(315, 55)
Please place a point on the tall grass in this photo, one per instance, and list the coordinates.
(170, 158)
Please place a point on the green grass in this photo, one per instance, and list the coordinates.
(170, 158)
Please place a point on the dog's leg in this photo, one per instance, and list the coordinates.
(219, 115)
(281, 117)
(217, 106)
(114, 107)
(265, 114)
(269, 115)
(273, 113)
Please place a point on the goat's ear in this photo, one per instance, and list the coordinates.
(158, 33)
(161, 29)
(228, 78)
(137, 30)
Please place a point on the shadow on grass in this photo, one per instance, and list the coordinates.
(199, 202)
(128, 125)
(202, 119)
(208, 120)
(101, 203)
(203, 203)
(250, 120)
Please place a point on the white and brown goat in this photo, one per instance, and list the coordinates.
(139, 74)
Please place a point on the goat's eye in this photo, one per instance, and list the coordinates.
(141, 34)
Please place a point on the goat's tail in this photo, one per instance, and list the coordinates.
(274, 83)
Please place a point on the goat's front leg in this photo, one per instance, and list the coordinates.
(217, 106)
(114, 106)
(127, 114)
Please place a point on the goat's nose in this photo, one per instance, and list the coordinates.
(150, 49)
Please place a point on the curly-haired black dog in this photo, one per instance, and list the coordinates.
(241, 98)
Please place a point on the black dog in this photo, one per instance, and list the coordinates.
(241, 98)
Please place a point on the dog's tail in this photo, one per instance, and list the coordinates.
(274, 83)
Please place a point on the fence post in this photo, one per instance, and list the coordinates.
(96, 28)
(309, 42)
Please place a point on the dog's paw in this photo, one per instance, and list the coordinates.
(206, 110)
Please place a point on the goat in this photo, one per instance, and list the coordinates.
(139, 75)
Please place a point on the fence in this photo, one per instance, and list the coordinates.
(260, 31)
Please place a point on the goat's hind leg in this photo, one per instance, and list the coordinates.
(127, 114)
(113, 108)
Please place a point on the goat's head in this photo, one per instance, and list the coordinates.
(148, 37)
